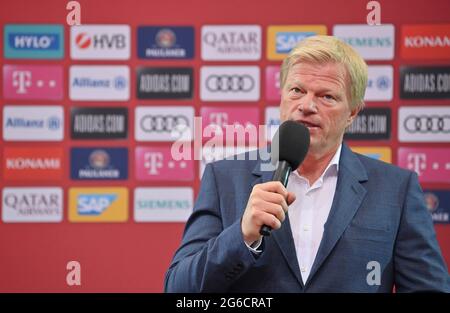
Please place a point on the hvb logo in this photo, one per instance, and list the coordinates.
(95, 42)
(33, 82)
(84, 41)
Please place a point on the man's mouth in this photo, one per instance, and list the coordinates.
(309, 125)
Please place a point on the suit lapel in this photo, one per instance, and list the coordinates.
(283, 236)
(347, 199)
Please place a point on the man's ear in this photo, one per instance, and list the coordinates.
(353, 114)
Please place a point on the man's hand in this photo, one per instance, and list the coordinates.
(266, 205)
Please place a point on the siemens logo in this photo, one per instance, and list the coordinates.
(371, 42)
(368, 41)
(34, 41)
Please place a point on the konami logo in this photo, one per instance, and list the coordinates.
(426, 41)
(43, 164)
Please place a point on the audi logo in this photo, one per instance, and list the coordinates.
(427, 124)
(233, 83)
(163, 123)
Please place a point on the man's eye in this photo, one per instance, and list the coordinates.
(296, 90)
(328, 97)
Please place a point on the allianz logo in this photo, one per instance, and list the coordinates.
(52, 123)
(117, 82)
(382, 82)
(369, 42)
(34, 41)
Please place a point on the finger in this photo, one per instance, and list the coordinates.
(290, 198)
(272, 209)
(275, 186)
(275, 198)
(271, 221)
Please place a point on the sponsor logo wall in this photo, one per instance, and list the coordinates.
(120, 120)
(90, 167)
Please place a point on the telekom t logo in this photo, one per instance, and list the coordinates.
(417, 162)
(153, 162)
(21, 80)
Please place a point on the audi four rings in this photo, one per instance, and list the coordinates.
(427, 124)
(234, 83)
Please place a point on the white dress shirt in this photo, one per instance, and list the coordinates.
(309, 212)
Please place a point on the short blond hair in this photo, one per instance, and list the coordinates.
(329, 49)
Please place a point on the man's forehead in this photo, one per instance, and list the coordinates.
(318, 68)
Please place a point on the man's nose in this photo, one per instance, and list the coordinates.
(307, 104)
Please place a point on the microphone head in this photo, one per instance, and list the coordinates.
(290, 144)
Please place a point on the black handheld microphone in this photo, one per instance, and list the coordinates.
(289, 147)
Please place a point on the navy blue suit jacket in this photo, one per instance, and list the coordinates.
(378, 214)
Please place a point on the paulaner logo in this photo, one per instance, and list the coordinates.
(27, 41)
(99, 163)
(169, 42)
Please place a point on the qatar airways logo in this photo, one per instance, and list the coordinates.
(32, 204)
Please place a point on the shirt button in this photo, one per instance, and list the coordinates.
(303, 269)
(305, 228)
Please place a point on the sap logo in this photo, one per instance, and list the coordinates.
(104, 41)
(34, 41)
(93, 204)
(287, 40)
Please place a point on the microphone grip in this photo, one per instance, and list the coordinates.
(282, 175)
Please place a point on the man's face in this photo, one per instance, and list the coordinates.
(318, 96)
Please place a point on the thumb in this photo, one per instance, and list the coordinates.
(290, 198)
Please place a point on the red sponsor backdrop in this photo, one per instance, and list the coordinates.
(133, 257)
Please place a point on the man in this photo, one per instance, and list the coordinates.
(345, 222)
